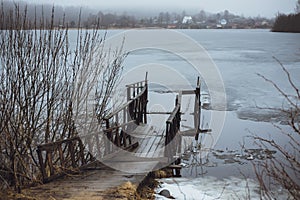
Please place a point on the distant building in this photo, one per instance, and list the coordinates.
(187, 20)
(172, 26)
(223, 22)
(264, 23)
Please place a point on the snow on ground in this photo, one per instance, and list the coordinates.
(207, 188)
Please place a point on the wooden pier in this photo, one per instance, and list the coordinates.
(126, 142)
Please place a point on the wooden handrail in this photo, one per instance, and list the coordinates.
(46, 146)
(172, 128)
(123, 119)
(173, 114)
(118, 126)
(134, 85)
(125, 105)
(61, 156)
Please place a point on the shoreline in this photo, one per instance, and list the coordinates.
(147, 28)
(130, 189)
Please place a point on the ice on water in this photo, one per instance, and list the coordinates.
(209, 188)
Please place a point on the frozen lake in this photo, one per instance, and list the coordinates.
(239, 56)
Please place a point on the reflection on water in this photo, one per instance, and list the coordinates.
(234, 150)
(195, 165)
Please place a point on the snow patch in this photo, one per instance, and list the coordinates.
(207, 188)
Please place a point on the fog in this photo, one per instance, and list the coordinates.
(266, 8)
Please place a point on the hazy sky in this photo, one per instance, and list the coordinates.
(267, 8)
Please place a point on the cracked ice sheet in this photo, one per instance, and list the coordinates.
(208, 188)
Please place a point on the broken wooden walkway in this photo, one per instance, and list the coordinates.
(126, 143)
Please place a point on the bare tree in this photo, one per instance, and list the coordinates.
(43, 83)
(284, 169)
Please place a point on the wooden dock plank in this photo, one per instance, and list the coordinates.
(142, 131)
(156, 146)
(136, 167)
(159, 150)
(132, 162)
(149, 138)
(148, 154)
(146, 141)
(146, 145)
(87, 185)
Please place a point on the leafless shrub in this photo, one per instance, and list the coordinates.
(284, 169)
(44, 83)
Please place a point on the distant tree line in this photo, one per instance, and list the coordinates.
(91, 18)
(287, 23)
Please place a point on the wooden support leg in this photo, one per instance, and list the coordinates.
(177, 171)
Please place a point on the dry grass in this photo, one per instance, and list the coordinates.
(126, 191)
(147, 186)
(163, 173)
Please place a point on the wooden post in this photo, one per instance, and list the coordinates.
(138, 87)
(197, 110)
(145, 102)
(117, 137)
(108, 135)
(42, 165)
(134, 90)
(124, 116)
(177, 171)
(123, 133)
(107, 123)
(146, 98)
(129, 138)
(135, 111)
(140, 110)
(81, 151)
(61, 156)
(97, 144)
(167, 140)
(146, 78)
(128, 94)
(49, 161)
(116, 119)
(72, 153)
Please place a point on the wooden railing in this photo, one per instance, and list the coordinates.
(137, 97)
(173, 138)
(58, 158)
(197, 109)
(61, 157)
(124, 119)
(172, 129)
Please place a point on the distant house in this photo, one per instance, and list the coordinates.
(187, 20)
(264, 23)
(170, 26)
